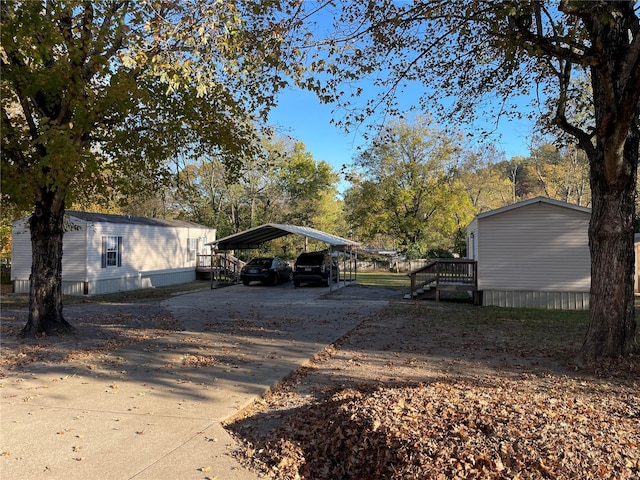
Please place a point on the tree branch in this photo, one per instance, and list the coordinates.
(560, 119)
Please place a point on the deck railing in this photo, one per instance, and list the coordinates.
(223, 267)
(445, 274)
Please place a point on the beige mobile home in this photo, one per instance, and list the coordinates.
(533, 254)
(103, 253)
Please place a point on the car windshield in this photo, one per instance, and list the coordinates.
(266, 262)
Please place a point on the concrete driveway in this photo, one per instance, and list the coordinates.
(154, 410)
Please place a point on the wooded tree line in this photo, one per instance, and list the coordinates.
(415, 188)
(282, 183)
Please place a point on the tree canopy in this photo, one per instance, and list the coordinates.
(99, 96)
(466, 51)
(407, 189)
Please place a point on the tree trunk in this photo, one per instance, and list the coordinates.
(612, 325)
(613, 158)
(45, 295)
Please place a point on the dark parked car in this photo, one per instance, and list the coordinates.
(270, 270)
(314, 267)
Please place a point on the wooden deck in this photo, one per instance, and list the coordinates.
(445, 274)
(219, 267)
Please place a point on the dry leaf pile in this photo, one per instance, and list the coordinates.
(512, 429)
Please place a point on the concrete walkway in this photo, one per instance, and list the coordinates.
(154, 410)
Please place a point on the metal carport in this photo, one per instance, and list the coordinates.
(254, 237)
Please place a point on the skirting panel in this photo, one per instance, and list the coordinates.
(536, 299)
(97, 287)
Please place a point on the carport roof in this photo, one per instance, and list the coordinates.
(256, 236)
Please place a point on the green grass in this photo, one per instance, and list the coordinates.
(532, 327)
(397, 281)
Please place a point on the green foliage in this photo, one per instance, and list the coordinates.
(281, 183)
(439, 253)
(407, 188)
(104, 99)
(308, 186)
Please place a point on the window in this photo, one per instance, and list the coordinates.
(111, 251)
(192, 249)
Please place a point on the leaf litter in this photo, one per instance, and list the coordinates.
(99, 331)
(418, 392)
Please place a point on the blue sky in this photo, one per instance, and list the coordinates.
(300, 115)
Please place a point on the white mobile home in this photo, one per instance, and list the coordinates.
(105, 253)
(533, 253)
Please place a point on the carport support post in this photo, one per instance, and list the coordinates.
(355, 266)
(331, 270)
(226, 267)
(211, 266)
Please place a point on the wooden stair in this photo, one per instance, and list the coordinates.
(444, 274)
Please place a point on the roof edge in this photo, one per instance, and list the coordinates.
(252, 237)
(531, 201)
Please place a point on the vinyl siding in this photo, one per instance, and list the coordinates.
(20, 251)
(538, 247)
(73, 251)
(151, 255)
(144, 248)
(74, 255)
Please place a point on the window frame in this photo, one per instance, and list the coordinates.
(111, 251)
(192, 249)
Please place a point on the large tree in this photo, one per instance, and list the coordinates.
(408, 188)
(98, 96)
(483, 179)
(466, 51)
(303, 181)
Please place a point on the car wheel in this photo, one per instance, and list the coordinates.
(246, 283)
(296, 283)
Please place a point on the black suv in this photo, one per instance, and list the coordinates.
(314, 267)
(269, 270)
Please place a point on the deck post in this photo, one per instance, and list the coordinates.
(413, 284)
